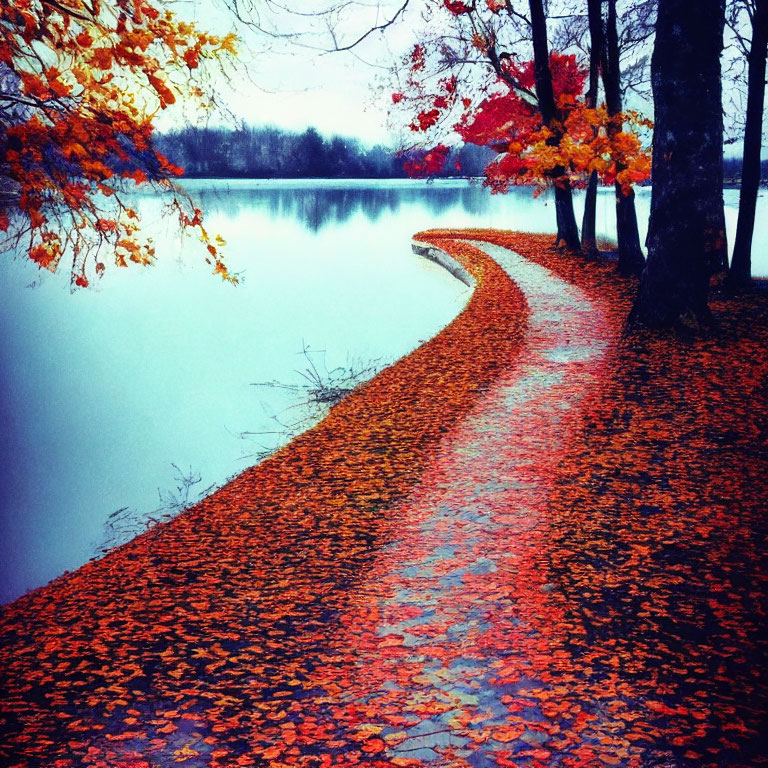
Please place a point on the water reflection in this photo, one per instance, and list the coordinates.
(316, 205)
(104, 390)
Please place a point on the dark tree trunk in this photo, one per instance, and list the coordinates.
(717, 246)
(687, 164)
(567, 229)
(740, 273)
(588, 225)
(631, 259)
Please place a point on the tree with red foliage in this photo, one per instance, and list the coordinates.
(80, 81)
(533, 114)
(596, 46)
(631, 259)
(552, 116)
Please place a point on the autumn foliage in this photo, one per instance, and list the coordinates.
(512, 126)
(509, 121)
(80, 83)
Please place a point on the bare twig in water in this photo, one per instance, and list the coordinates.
(126, 523)
(317, 392)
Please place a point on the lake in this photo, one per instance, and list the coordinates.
(103, 391)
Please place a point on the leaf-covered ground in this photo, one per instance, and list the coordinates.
(535, 541)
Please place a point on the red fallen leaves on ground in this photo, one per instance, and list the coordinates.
(247, 631)
(659, 530)
(225, 610)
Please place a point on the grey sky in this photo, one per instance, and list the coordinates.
(293, 83)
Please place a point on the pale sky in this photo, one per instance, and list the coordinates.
(294, 85)
(291, 86)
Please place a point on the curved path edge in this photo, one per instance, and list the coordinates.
(187, 643)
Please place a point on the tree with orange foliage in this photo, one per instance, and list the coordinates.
(534, 113)
(605, 36)
(80, 82)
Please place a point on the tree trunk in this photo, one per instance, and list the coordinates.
(717, 239)
(687, 164)
(567, 229)
(740, 273)
(631, 259)
(588, 224)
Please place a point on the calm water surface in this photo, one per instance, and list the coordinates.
(103, 390)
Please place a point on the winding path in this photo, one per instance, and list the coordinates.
(387, 563)
(422, 580)
(454, 623)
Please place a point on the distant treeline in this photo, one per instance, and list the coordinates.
(732, 170)
(263, 153)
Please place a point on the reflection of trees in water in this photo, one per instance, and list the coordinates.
(475, 199)
(316, 207)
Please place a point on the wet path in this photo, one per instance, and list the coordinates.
(523, 545)
(454, 623)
